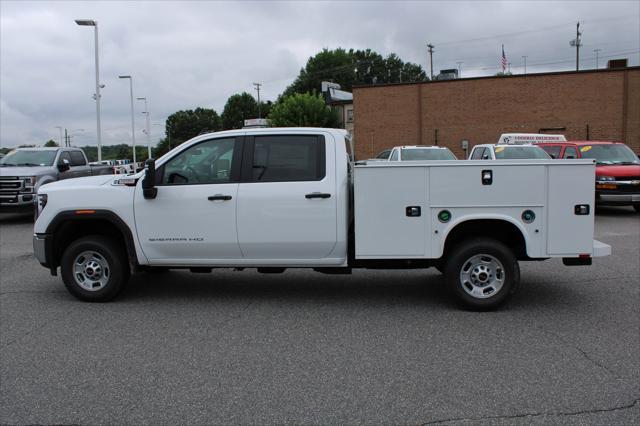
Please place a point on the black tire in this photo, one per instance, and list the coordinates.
(111, 263)
(637, 207)
(440, 267)
(490, 270)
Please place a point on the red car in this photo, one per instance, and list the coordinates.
(617, 169)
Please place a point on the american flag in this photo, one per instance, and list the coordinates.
(504, 60)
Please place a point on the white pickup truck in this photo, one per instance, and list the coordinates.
(293, 198)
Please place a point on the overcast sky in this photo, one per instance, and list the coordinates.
(183, 55)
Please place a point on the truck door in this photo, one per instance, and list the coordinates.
(287, 197)
(193, 218)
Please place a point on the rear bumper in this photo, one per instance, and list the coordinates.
(601, 249)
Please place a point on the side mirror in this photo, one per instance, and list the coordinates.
(64, 165)
(149, 190)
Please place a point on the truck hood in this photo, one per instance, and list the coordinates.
(621, 170)
(25, 171)
(81, 182)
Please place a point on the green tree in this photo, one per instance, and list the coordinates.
(184, 125)
(353, 67)
(50, 143)
(303, 110)
(239, 107)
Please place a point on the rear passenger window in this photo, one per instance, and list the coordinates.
(288, 158)
(77, 159)
(477, 153)
(570, 152)
(553, 151)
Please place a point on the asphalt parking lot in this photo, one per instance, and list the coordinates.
(377, 347)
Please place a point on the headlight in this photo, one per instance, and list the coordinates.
(605, 179)
(29, 183)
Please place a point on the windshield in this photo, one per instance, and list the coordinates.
(416, 154)
(28, 158)
(615, 153)
(520, 153)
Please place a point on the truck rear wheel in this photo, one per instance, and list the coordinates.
(482, 273)
(94, 269)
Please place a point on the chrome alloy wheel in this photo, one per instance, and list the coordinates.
(91, 270)
(482, 276)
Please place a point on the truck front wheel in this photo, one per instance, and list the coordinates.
(94, 269)
(482, 273)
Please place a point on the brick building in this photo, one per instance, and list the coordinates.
(585, 105)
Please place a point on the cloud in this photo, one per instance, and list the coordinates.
(188, 54)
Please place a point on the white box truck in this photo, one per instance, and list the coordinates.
(281, 198)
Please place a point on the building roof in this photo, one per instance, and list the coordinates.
(528, 75)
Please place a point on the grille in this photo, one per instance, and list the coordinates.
(10, 185)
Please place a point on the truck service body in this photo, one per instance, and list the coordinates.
(292, 197)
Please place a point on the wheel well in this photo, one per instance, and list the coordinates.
(500, 230)
(69, 231)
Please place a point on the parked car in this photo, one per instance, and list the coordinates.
(24, 170)
(382, 156)
(421, 153)
(617, 169)
(508, 152)
(295, 199)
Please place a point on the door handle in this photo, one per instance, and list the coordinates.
(219, 197)
(317, 195)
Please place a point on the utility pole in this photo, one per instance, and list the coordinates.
(66, 138)
(525, 64)
(597, 54)
(257, 86)
(509, 67)
(431, 46)
(459, 69)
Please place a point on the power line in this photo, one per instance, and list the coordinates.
(531, 31)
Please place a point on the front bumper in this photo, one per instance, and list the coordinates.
(610, 198)
(43, 251)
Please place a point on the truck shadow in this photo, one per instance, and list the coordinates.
(424, 289)
(295, 287)
(8, 218)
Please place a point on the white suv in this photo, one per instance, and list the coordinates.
(421, 153)
(508, 152)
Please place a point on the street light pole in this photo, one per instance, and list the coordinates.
(147, 131)
(94, 24)
(597, 55)
(133, 127)
(525, 64)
